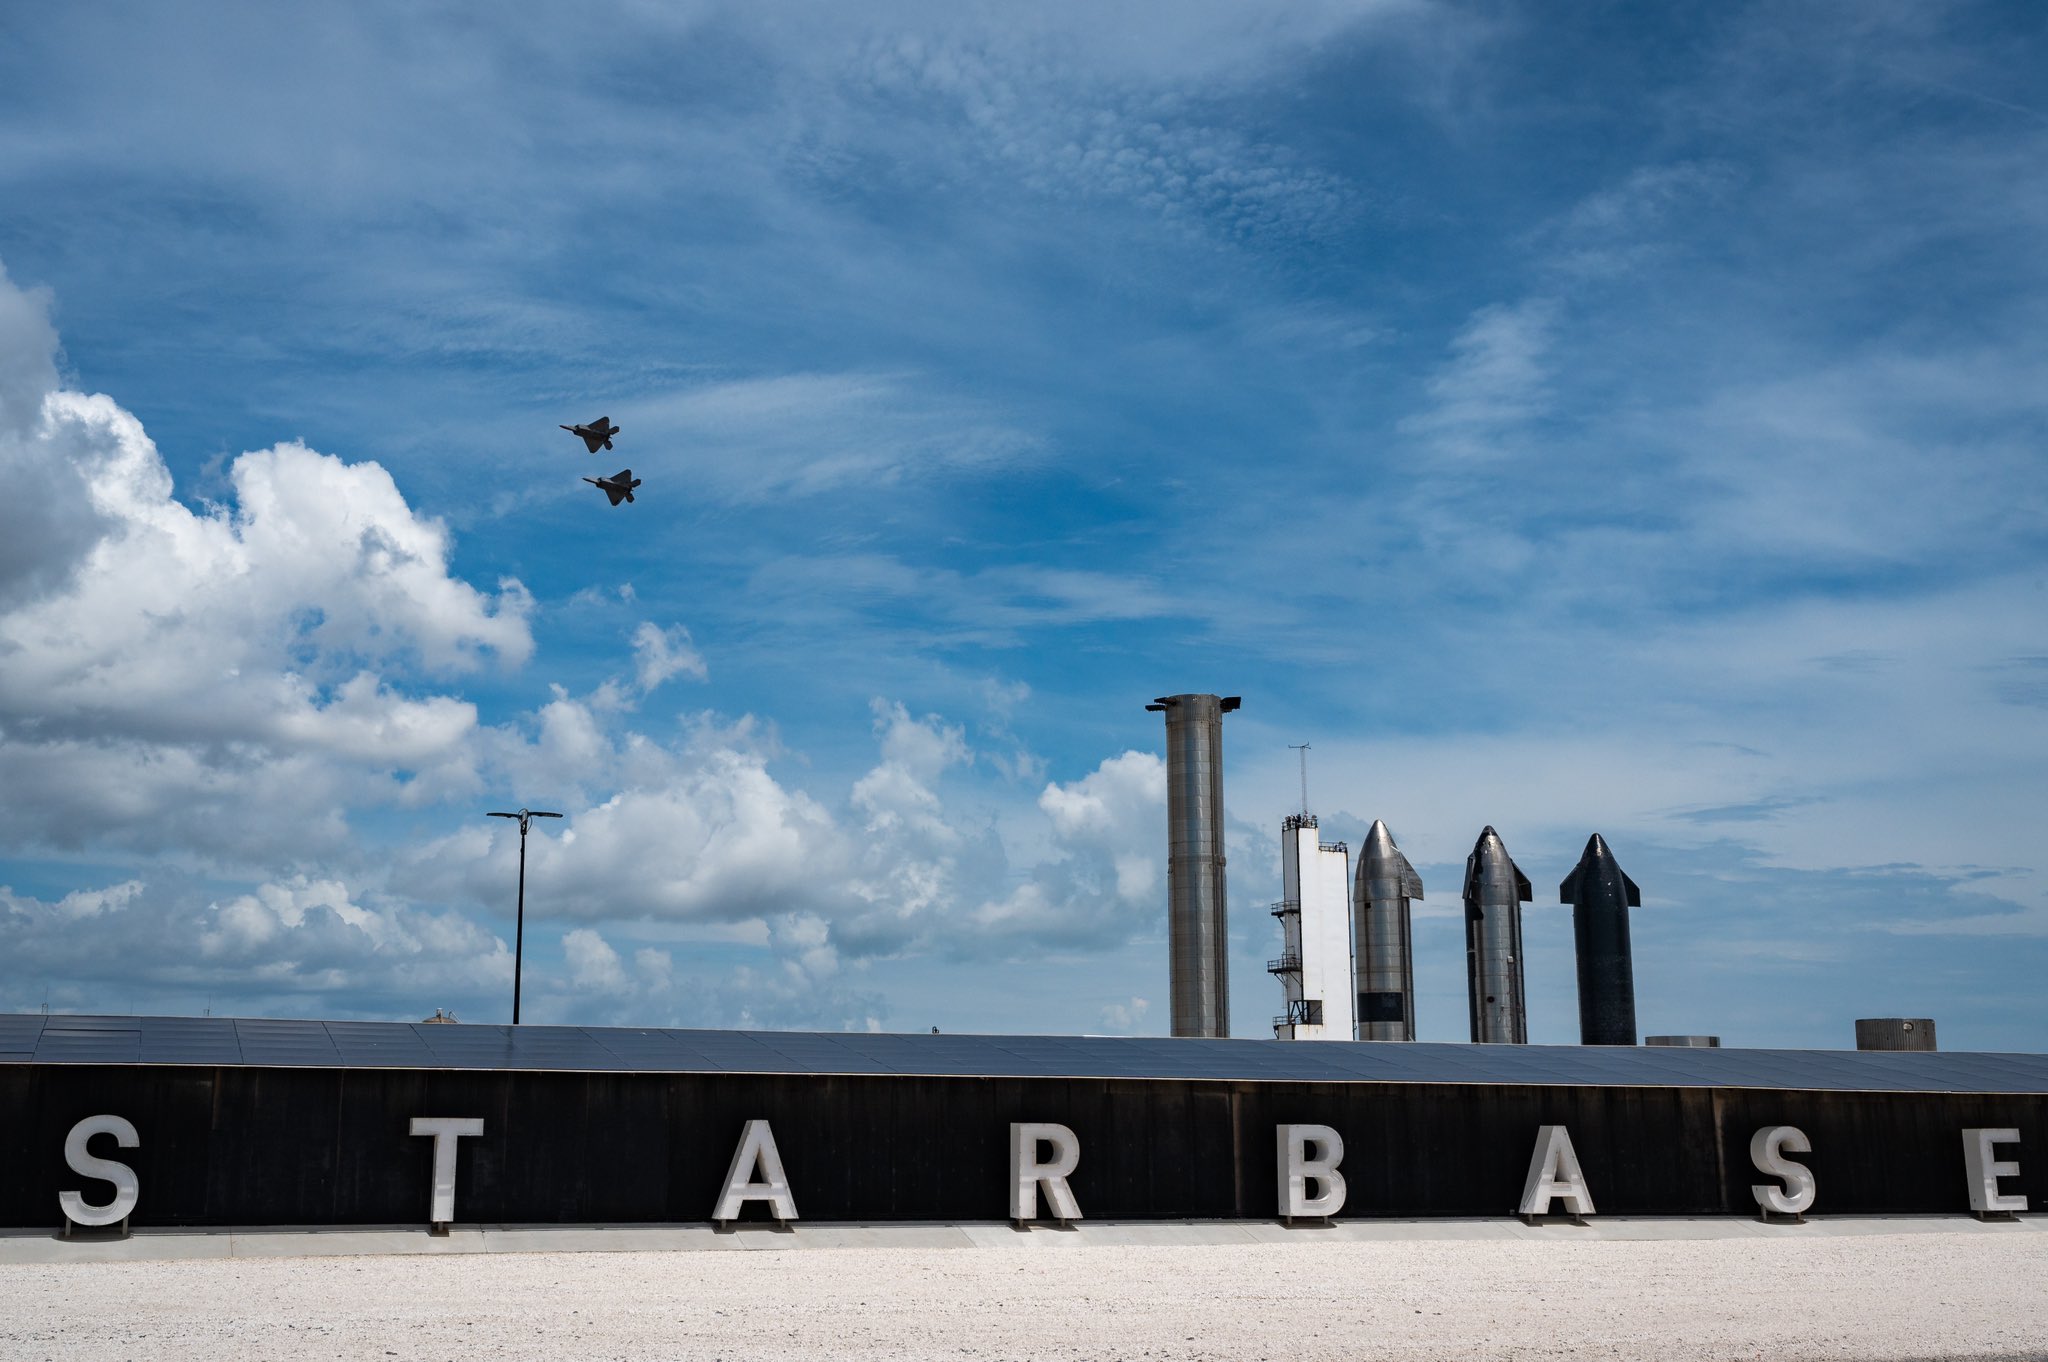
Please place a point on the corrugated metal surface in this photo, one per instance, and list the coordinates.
(232, 1145)
(1197, 912)
(223, 1041)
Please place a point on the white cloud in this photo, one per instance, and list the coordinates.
(1495, 380)
(592, 963)
(659, 654)
(289, 945)
(921, 748)
(1040, 113)
(1125, 1016)
(800, 435)
(250, 662)
(1106, 880)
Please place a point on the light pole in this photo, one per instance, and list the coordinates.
(524, 816)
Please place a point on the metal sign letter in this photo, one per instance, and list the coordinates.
(126, 1188)
(1554, 1174)
(1298, 1167)
(446, 1130)
(1767, 1151)
(1027, 1174)
(756, 1154)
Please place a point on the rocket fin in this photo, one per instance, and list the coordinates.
(1411, 883)
(1568, 892)
(1635, 895)
(1523, 890)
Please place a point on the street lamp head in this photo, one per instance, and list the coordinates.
(524, 816)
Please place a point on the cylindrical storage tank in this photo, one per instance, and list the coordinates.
(1687, 1042)
(1198, 935)
(1895, 1033)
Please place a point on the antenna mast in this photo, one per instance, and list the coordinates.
(1302, 748)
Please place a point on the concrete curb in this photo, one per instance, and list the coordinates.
(160, 1245)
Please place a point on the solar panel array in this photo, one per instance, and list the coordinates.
(39, 1039)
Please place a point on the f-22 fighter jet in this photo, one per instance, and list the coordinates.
(597, 435)
(619, 486)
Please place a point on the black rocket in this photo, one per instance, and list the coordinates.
(1495, 890)
(1600, 896)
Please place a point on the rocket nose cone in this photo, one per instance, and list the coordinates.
(1596, 849)
(1379, 857)
(1487, 855)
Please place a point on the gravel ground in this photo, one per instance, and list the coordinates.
(1925, 1295)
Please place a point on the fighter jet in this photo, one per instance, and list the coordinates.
(619, 486)
(597, 435)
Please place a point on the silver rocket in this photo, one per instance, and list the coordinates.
(1495, 890)
(1379, 924)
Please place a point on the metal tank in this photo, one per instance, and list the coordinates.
(1601, 894)
(1198, 936)
(1495, 889)
(1386, 951)
(1895, 1033)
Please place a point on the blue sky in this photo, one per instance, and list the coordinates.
(1611, 419)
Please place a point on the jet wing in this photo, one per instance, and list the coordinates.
(592, 442)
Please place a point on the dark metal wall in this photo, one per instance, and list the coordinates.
(254, 1146)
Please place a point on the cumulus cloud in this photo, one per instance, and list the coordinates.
(235, 689)
(1106, 880)
(48, 521)
(1127, 1015)
(702, 834)
(247, 660)
(285, 945)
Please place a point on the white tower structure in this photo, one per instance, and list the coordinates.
(1315, 934)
